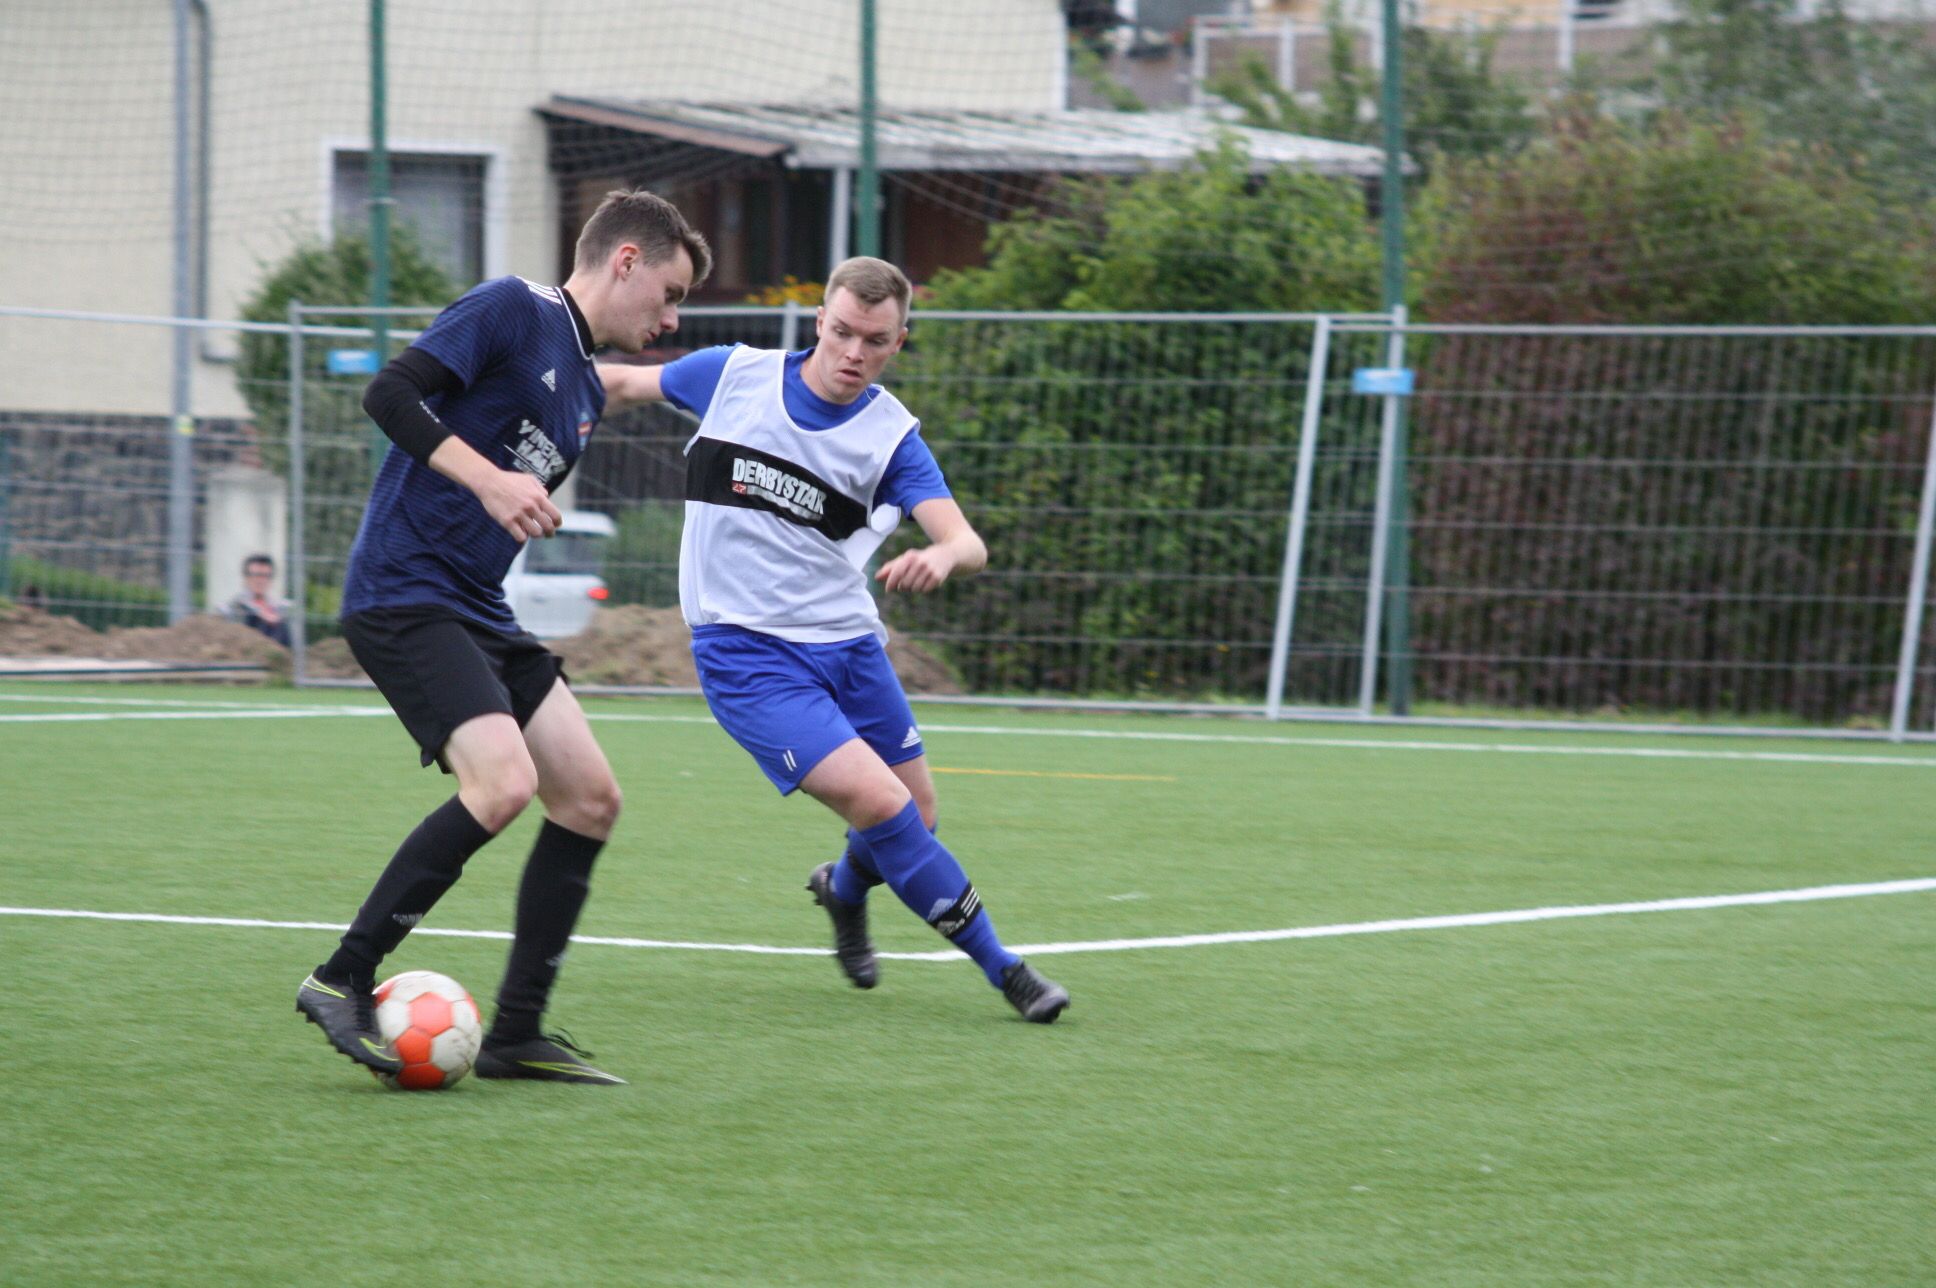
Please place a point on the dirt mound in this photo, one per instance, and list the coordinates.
(25, 632)
(330, 660)
(29, 633)
(632, 645)
(629, 645)
(194, 639)
(920, 670)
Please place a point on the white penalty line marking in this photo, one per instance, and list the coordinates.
(239, 711)
(1458, 921)
(246, 713)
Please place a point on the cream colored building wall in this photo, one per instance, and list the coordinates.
(87, 144)
(1533, 13)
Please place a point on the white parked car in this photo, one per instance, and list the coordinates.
(554, 585)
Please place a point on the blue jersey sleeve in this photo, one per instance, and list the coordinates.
(487, 323)
(691, 381)
(913, 475)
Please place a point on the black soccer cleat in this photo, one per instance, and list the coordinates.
(851, 947)
(551, 1058)
(347, 1017)
(1039, 999)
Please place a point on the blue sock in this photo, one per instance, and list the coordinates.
(926, 877)
(855, 873)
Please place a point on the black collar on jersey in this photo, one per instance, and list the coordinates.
(583, 327)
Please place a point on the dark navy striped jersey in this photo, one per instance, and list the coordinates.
(530, 398)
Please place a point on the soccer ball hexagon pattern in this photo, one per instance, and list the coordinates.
(434, 1025)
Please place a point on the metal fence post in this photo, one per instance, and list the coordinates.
(6, 527)
(1912, 622)
(181, 423)
(1381, 520)
(790, 326)
(1307, 448)
(298, 556)
(1398, 577)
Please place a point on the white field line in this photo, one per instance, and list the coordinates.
(1456, 921)
(265, 712)
(75, 699)
(257, 713)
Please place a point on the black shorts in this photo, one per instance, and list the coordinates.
(438, 670)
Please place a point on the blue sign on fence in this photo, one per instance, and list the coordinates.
(1388, 381)
(352, 362)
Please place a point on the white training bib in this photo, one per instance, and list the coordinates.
(780, 520)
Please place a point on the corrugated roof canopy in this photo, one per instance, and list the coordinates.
(1073, 141)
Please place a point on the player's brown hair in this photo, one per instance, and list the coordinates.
(648, 221)
(871, 281)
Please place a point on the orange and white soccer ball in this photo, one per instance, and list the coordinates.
(434, 1025)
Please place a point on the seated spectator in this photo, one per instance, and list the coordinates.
(256, 607)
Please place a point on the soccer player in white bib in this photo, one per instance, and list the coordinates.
(801, 467)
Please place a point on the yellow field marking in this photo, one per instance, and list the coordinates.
(1035, 773)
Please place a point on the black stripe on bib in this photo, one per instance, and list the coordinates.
(722, 473)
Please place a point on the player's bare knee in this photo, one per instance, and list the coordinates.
(597, 808)
(872, 807)
(499, 796)
(589, 808)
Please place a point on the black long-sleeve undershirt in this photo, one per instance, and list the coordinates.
(395, 401)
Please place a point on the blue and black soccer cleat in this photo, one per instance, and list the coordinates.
(852, 948)
(1038, 998)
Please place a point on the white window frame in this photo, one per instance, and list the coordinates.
(497, 204)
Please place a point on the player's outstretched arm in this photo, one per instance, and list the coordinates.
(955, 550)
(628, 386)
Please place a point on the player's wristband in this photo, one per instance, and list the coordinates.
(395, 401)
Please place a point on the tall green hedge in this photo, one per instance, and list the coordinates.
(324, 273)
(1770, 589)
(1131, 478)
(342, 447)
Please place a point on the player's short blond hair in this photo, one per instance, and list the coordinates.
(870, 281)
(649, 222)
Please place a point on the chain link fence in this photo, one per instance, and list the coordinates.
(1187, 512)
(1712, 523)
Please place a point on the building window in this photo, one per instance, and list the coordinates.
(439, 197)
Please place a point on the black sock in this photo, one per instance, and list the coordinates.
(557, 877)
(427, 863)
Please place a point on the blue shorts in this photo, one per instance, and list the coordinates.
(791, 704)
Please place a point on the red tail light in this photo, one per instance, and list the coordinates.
(599, 593)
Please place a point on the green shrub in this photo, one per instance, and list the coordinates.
(642, 561)
(94, 600)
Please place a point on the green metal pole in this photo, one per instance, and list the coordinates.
(6, 527)
(1398, 623)
(867, 195)
(379, 208)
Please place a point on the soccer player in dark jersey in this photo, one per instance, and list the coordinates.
(488, 411)
(801, 467)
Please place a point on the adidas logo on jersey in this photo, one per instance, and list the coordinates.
(551, 380)
(913, 738)
(543, 292)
